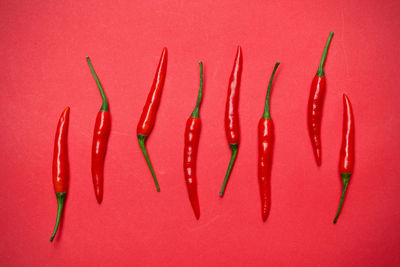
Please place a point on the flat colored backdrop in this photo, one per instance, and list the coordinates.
(43, 69)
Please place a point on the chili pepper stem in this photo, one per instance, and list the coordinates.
(195, 113)
(60, 207)
(104, 106)
(142, 140)
(267, 114)
(320, 71)
(234, 149)
(345, 179)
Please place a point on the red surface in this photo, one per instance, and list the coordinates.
(43, 69)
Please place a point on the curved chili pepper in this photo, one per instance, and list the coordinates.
(231, 114)
(346, 162)
(60, 165)
(149, 112)
(315, 102)
(101, 133)
(192, 136)
(265, 144)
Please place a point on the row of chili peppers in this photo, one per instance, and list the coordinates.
(192, 133)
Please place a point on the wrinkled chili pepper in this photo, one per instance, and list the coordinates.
(101, 133)
(149, 112)
(315, 103)
(192, 135)
(60, 165)
(346, 162)
(265, 144)
(231, 114)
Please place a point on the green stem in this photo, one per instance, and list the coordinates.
(234, 149)
(60, 207)
(345, 179)
(104, 106)
(320, 71)
(142, 139)
(266, 114)
(195, 113)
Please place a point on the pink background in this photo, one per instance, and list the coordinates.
(43, 69)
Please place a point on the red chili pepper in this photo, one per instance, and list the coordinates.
(149, 112)
(231, 114)
(60, 165)
(346, 162)
(101, 133)
(192, 135)
(265, 144)
(315, 102)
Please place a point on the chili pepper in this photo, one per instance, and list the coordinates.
(346, 162)
(101, 133)
(265, 144)
(149, 112)
(315, 102)
(192, 136)
(231, 114)
(60, 165)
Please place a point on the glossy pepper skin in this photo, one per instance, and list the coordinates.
(232, 114)
(150, 108)
(192, 136)
(346, 162)
(265, 146)
(101, 133)
(60, 166)
(315, 104)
